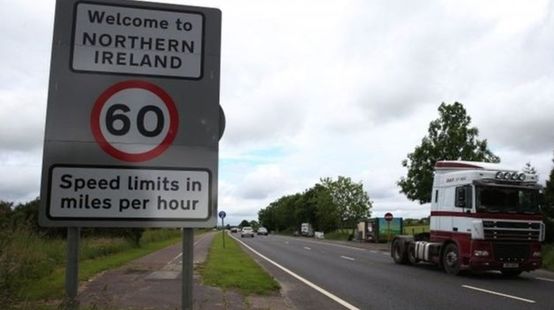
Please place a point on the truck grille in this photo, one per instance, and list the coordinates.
(507, 252)
(511, 231)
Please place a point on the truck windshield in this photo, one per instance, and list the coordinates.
(507, 199)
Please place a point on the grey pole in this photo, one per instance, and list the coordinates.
(72, 268)
(223, 225)
(186, 294)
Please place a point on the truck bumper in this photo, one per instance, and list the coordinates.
(483, 264)
(505, 256)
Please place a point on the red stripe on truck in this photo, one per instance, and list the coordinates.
(503, 216)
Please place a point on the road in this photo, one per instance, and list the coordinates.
(368, 279)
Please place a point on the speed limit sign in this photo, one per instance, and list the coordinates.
(134, 120)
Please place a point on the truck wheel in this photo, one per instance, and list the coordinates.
(451, 259)
(398, 252)
(511, 273)
(411, 254)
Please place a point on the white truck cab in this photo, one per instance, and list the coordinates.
(483, 217)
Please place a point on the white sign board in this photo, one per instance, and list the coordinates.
(137, 41)
(129, 193)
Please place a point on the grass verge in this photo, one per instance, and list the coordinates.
(548, 256)
(339, 234)
(52, 286)
(232, 268)
(41, 261)
(415, 229)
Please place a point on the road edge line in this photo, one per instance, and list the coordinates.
(499, 294)
(307, 282)
(181, 253)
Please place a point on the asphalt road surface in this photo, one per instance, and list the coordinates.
(368, 279)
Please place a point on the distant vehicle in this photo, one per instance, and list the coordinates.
(306, 230)
(262, 231)
(235, 230)
(247, 231)
(379, 230)
(483, 217)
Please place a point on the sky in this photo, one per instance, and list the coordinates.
(316, 89)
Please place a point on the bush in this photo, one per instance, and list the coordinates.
(24, 257)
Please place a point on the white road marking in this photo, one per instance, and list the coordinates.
(332, 244)
(374, 252)
(498, 294)
(545, 279)
(310, 284)
(348, 258)
(181, 254)
(307, 248)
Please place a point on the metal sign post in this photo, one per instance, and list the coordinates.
(187, 275)
(72, 268)
(222, 215)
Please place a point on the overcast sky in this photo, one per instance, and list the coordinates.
(319, 88)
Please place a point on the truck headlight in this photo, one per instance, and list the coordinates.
(481, 253)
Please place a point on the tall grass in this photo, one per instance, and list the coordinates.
(26, 257)
(548, 256)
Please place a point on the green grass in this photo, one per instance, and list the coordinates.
(232, 268)
(33, 267)
(52, 286)
(416, 229)
(339, 234)
(548, 257)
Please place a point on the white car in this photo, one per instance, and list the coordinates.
(262, 231)
(247, 231)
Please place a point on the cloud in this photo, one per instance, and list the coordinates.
(317, 89)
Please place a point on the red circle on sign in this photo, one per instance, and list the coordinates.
(134, 157)
(388, 216)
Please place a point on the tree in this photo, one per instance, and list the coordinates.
(244, 223)
(449, 137)
(254, 224)
(351, 200)
(548, 207)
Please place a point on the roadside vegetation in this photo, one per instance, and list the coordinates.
(32, 258)
(548, 257)
(329, 205)
(232, 268)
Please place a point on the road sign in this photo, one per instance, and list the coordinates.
(157, 41)
(134, 120)
(222, 214)
(133, 117)
(388, 216)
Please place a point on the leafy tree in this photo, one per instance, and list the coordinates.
(254, 224)
(548, 207)
(351, 200)
(244, 223)
(5, 213)
(326, 213)
(449, 137)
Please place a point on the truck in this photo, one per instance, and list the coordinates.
(483, 217)
(379, 230)
(306, 230)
